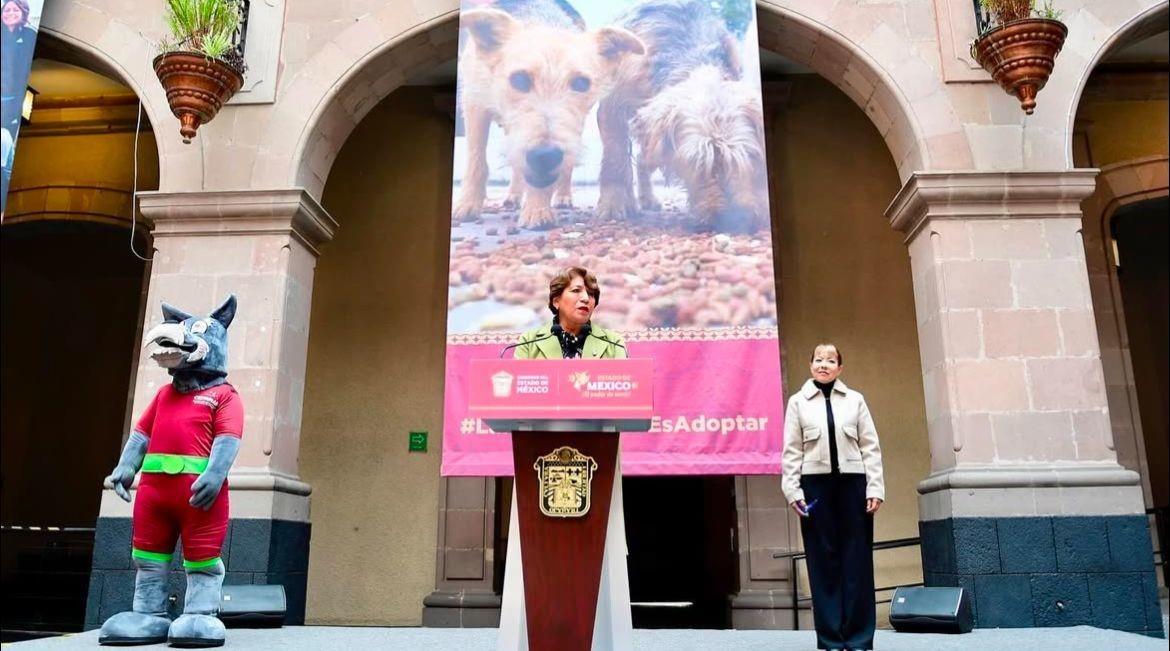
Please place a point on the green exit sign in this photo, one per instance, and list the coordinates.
(418, 442)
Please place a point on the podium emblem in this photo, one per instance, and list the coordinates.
(565, 476)
(502, 384)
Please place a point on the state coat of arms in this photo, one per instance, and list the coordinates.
(565, 476)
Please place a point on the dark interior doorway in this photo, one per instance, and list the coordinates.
(1142, 231)
(682, 550)
(682, 544)
(70, 305)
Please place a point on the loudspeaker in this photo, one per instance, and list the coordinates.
(252, 606)
(931, 610)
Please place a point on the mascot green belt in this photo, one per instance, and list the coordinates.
(184, 444)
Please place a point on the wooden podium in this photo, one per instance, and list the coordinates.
(565, 582)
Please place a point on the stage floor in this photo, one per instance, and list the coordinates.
(300, 638)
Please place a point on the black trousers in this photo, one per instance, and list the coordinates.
(838, 539)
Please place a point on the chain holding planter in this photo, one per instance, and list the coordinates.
(200, 67)
(1020, 48)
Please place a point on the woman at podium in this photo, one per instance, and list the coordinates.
(573, 295)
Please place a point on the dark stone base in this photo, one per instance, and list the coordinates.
(451, 609)
(254, 552)
(1048, 571)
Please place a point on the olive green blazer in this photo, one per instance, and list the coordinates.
(540, 343)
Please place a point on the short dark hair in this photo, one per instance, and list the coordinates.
(564, 278)
(828, 344)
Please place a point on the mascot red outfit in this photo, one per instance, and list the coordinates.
(181, 428)
(184, 444)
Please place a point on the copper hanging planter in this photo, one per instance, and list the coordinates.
(1020, 56)
(197, 86)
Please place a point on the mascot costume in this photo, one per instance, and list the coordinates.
(184, 444)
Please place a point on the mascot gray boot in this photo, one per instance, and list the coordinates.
(147, 623)
(198, 626)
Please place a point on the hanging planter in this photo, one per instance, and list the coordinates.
(1020, 49)
(200, 68)
(1020, 56)
(196, 86)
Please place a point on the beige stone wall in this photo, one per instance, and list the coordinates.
(844, 276)
(903, 61)
(1122, 116)
(375, 369)
(1123, 131)
(1122, 128)
(79, 176)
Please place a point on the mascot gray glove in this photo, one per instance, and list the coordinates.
(206, 488)
(129, 463)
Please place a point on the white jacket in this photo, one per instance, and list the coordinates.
(806, 448)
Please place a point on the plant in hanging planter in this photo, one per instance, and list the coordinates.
(200, 67)
(1019, 47)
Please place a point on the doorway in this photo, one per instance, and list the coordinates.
(682, 550)
(1140, 232)
(70, 308)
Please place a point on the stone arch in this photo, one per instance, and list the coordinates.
(1119, 185)
(96, 40)
(58, 198)
(391, 48)
(1147, 22)
(856, 73)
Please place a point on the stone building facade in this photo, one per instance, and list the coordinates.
(1021, 456)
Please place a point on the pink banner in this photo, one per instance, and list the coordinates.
(625, 137)
(717, 411)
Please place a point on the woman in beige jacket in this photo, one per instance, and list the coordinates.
(832, 478)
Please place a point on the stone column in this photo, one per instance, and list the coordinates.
(261, 245)
(471, 535)
(1026, 506)
(765, 526)
(466, 595)
(764, 523)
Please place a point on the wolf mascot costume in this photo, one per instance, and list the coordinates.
(184, 444)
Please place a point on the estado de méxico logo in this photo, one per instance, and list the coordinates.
(583, 383)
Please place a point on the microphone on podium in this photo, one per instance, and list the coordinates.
(548, 336)
(607, 340)
(522, 343)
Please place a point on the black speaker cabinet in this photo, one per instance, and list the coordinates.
(931, 610)
(252, 606)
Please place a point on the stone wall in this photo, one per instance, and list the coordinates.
(933, 109)
(1048, 571)
(375, 370)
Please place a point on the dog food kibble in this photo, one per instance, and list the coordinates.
(654, 271)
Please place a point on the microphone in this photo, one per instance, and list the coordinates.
(523, 343)
(606, 340)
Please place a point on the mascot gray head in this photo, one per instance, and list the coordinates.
(193, 349)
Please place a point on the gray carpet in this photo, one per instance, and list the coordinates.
(425, 639)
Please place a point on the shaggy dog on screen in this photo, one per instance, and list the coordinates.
(693, 117)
